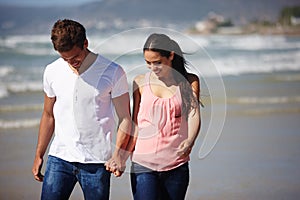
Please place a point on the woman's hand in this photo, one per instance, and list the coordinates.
(116, 165)
(185, 148)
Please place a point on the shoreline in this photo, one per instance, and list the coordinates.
(254, 158)
(293, 31)
(250, 161)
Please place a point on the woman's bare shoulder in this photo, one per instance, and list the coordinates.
(192, 77)
(139, 79)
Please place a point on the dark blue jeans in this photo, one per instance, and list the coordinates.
(61, 177)
(152, 185)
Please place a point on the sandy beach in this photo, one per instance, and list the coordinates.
(256, 157)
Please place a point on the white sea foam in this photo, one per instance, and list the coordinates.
(14, 41)
(240, 64)
(20, 108)
(17, 80)
(6, 90)
(265, 100)
(3, 92)
(214, 55)
(116, 44)
(133, 41)
(5, 70)
(36, 51)
(28, 44)
(286, 77)
(22, 123)
(25, 87)
(253, 42)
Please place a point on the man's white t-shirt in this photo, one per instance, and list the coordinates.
(84, 113)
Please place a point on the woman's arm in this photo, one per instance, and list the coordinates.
(194, 120)
(137, 91)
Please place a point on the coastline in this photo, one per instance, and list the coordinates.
(250, 29)
(256, 156)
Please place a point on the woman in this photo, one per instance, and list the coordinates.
(167, 117)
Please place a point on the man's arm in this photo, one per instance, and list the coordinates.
(118, 161)
(45, 134)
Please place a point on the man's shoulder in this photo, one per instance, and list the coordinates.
(56, 63)
(103, 61)
(55, 67)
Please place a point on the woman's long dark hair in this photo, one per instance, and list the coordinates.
(164, 45)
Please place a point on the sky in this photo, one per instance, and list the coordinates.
(45, 2)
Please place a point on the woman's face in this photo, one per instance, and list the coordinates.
(160, 65)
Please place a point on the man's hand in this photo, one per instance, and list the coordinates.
(36, 169)
(116, 165)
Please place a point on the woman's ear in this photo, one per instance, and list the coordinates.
(171, 57)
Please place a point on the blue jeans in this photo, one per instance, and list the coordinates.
(152, 185)
(61, 177)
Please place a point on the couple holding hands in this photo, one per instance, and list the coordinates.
(83, 92)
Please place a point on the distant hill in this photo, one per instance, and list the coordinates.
(109, 15)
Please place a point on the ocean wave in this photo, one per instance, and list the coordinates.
(19, 87)
(253, 42)
(236, 65)
(22, 123)
(264, 100)
(5, 70)
(286, 77)
(213, 55)
(36, 51)
(129, 41)
(18, 108)
(28, 44)
(16, 40)
(3, 92)
(25, 87)
(267, 111)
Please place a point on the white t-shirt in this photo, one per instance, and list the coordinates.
(84, 113)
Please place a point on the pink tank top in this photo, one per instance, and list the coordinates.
(161, 130)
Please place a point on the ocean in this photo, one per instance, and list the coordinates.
(250, 87)
(23, 59)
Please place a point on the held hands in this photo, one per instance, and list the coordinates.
(115, 165)
(36, 169)
(185, 148)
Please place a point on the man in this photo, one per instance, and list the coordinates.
(83, 92)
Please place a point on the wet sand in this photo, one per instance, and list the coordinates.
(256, 157)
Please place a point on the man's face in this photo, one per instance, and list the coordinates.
(75, 56)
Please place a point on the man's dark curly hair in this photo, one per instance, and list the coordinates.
(66, 34)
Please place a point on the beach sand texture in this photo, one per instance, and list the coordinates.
(256, 156)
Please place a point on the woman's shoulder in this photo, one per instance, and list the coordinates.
(139, 79)
(194, 81)
(192, 77)
(138, 83)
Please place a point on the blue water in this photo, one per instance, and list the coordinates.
(23, 58)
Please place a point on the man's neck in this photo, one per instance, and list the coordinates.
(88, 61)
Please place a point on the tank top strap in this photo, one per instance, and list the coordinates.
(147, 78)
(147, 82)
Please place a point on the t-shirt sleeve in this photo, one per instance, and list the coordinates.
(120, 84)
(47, 84)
